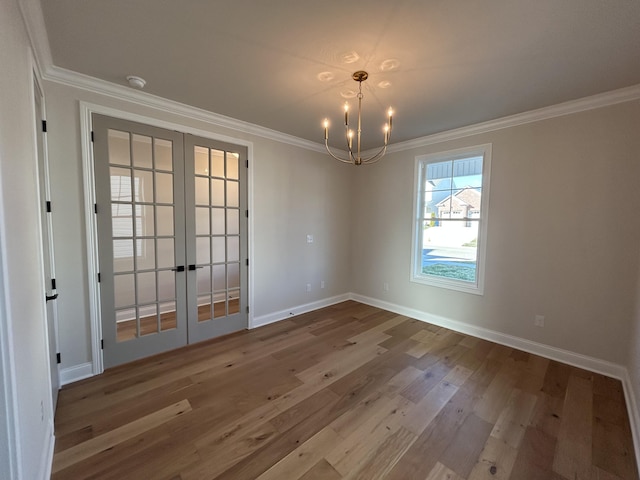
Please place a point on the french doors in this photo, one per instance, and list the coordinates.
(172, 238)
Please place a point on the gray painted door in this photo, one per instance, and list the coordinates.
(139, 173)
(216, 211)
(171, 237)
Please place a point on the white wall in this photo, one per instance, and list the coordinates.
(295, 192)
(24, 361)
(562, 238)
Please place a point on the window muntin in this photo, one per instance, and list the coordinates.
(450, 218)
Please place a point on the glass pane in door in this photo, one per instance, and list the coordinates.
(217, 214)
(143, 234)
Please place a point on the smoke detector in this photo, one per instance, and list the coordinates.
(136, 82)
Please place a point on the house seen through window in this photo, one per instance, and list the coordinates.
(450, 218)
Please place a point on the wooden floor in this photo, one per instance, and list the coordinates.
(349, 391)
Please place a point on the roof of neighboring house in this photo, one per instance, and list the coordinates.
(467, 196)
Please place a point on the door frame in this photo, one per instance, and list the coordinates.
(47, 233)
(86, 110)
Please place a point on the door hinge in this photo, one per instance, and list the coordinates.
(95, 208)
(98, 277)
(247, 308)
(101, 344)
(247, 262)
(246, 213)
(92, 135)
(44, 126)
(53, 284)
(58, 358)
(48, 204)
(246, 163)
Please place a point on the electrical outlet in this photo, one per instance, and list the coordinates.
(321, 283)
(309, 238)
(538, 321)
(308, 287)
(385, 286)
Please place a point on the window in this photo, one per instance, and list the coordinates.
(451, 200)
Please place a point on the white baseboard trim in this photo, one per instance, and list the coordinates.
(634, 413)
(565, 356)
(75, 373)
(297, 310)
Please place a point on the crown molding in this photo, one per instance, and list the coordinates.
(144, 99)
(600, 100)
(33, 19)
(120, 92)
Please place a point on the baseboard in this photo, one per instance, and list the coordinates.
(634, 413)
(565, 356)
(75, 373)
(297, 310)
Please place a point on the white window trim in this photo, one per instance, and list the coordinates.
(416, 276)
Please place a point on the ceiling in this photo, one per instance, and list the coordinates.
(287, 64)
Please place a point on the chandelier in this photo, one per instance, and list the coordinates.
(356, 158)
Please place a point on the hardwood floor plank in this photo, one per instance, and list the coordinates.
(498, 392)
(347, 391)
(383, 459)
(611, 449)
(496, 461)
(103, 442)
(440, 472)
(109, 462)
(423, 412)
(321, 471)
(351, 453)
(535, 456)
(282, 445)
(512, 422)
(462, 453)
(428, 448)
(303, 458)
(573, 449)
(294, 415)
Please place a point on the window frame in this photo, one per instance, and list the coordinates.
(421, 162)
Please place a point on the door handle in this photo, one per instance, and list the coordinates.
(193, 267)
(52, 297)
(179, 268)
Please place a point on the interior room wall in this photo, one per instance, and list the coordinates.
(296, 192)
(23, 359)
(563, 233)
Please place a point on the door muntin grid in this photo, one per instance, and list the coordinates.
(217, 227)
(143, 233)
